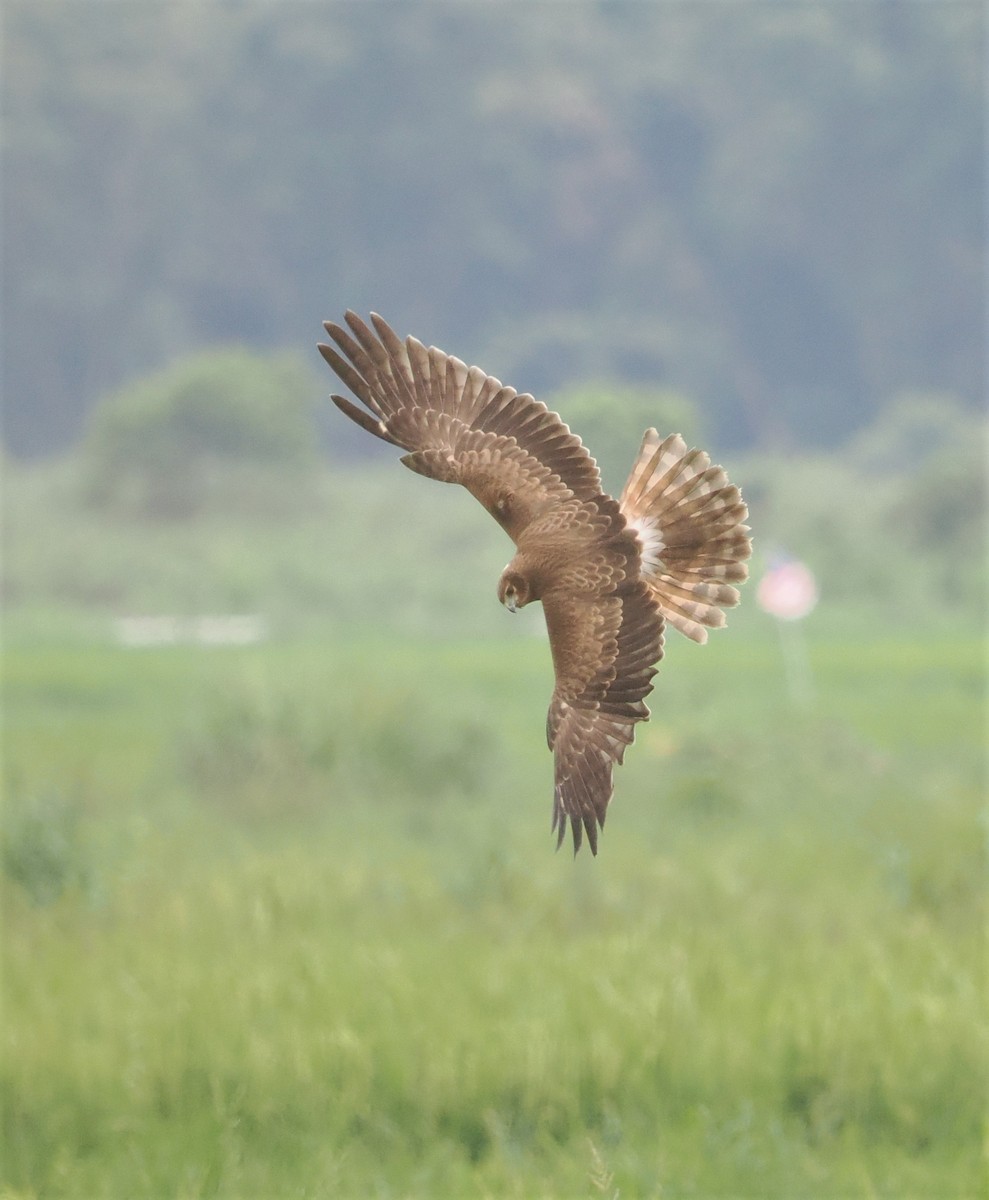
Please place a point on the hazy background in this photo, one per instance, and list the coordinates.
(281, 915)
(762, 224)
(774, 208)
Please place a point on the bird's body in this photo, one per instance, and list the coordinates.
(609, 573)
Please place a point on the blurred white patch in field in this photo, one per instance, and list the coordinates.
(235, 630)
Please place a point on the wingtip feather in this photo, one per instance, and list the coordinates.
(364, 419)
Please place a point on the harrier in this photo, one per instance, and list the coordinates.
(610, 573)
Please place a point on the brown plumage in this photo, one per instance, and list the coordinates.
(607, 572)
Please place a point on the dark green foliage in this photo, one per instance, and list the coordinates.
(777, 210)
(43, 850)
(896, 519)
(227, 425)
(935, 452)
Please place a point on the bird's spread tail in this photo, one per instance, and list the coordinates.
(689, 521)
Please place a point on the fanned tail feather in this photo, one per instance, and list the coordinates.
(689, 521)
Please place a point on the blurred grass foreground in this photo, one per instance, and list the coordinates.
(282, 916)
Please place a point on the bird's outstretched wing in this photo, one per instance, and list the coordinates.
(458, 424)
(605, 648)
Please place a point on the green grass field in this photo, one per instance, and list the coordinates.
(286, 921)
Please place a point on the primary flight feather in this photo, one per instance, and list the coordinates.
(610, 573)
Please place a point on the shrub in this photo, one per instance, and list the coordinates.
(43, 850)
(226, 426)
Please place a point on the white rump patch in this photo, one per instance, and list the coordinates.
(651, 544)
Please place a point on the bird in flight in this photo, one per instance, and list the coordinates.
(610, 573)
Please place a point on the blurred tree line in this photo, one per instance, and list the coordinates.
(774, 209)
(223, 449)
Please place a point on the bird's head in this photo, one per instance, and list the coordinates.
(513, 590)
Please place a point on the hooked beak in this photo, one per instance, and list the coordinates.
(511, 604)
